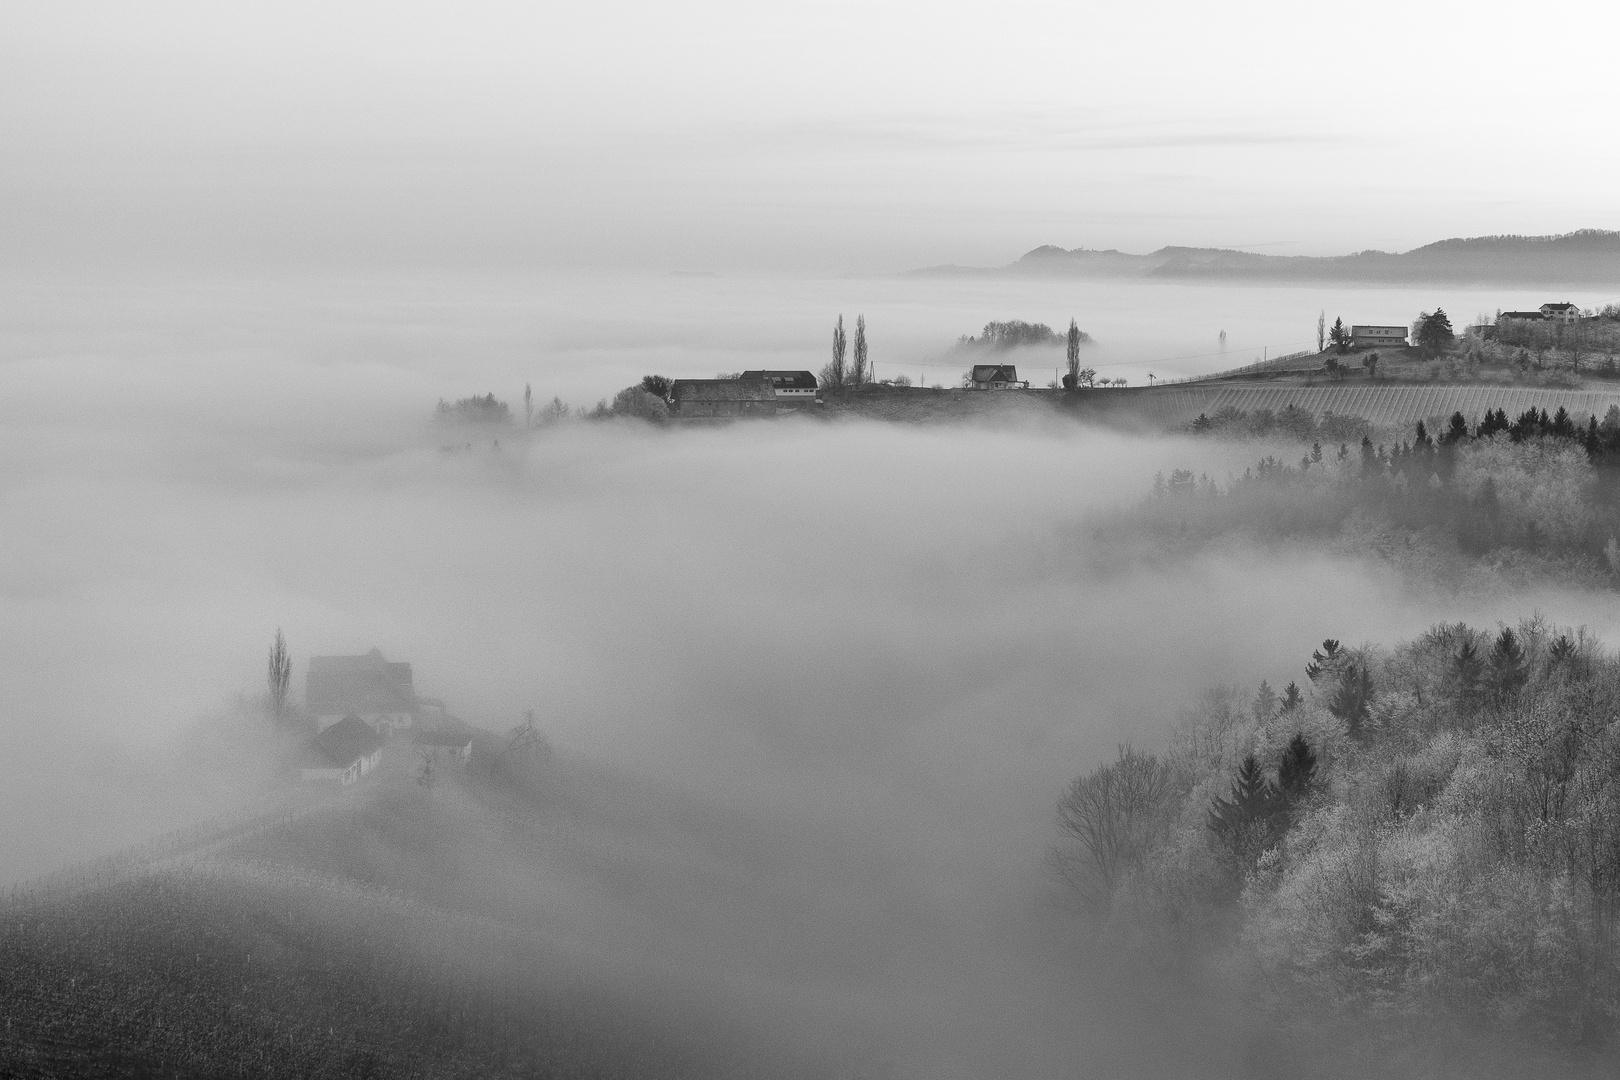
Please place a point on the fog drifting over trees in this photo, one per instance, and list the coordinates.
(875, 649)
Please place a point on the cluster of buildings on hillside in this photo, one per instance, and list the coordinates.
(768, 393)
(359, 705)
(1372, 337)
(1554, 313)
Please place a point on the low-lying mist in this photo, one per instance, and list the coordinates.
(879, 645)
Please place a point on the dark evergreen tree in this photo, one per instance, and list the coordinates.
(1340, 337)
(1561, 426)
(1265, 702)
(1245, 822)
(1291, 698)
(1508, 668)
(1324, 660)
(1434, 335)
(1296, 772)
(1352, 700)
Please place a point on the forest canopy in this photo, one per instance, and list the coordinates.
(1407, 840)
(1535, 494)
(1014, 334)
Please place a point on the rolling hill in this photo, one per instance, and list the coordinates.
(1587, 256)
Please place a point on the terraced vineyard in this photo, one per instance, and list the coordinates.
(1392, 407)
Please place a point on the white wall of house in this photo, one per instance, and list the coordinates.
(341, 775)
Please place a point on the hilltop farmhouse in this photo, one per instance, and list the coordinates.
(1563, 312)
(1365, 337)
(369, 687)
(995, 377)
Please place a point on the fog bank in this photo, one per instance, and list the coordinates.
(878, 646)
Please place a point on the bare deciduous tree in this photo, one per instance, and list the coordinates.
(279, 675)
(525, 744)
(1073, 356)
(1114, 813)
(833, 373)
(858, 368)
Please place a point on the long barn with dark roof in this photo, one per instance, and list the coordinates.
(721, 399)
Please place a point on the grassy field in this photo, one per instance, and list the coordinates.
(1387, 406)
(394, 932)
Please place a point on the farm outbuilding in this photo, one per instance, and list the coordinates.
(345, 751)
(721, 399)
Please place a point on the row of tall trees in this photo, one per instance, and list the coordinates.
(857, 369)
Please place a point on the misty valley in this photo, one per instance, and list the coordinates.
(818, 541)
(809, 723)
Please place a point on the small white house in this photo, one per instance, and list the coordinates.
(344, 752)
(995, 377)
(1562, 312)
(787, 385)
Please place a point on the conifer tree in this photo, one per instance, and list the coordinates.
(1340, 336)
(1323, 660)
(1291, 698)
(1296, 772)
(1508, 669)
(1265, 702)
(1244, 823)
(1352, 701)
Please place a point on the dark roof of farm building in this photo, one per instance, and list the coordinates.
(1558, 307)
(995, 373)
(366, 683)
(721, 390)
(1520, 315)
(348, 739)
(784, 380)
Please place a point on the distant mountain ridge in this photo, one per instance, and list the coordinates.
(1586, 256)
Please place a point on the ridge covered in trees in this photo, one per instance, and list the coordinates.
(1536, 492)
(1425, 839)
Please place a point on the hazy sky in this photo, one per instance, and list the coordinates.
(833, 136)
